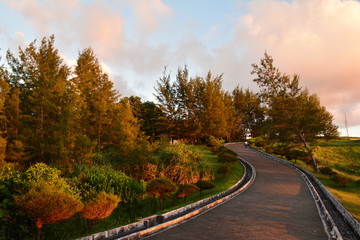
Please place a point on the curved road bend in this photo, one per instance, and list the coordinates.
(278, 205)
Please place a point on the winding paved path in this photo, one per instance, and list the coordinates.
(278, 205)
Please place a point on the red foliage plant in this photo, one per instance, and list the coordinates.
(101, 206)
(47, 203)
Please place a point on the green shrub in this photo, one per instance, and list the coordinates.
(327, 171)
(160, 187)
(10, 218)
(186, 190)
(180, 164)
(204, 185)
(225, 169)
(94, 179)
(258, 142)
(227, 158)
(43, 195)
(295, 154)
(47, 202)
(222, 150)
(341, 180)
(214, 142)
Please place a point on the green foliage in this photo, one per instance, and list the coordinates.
(296, 154)
(304, 120)
(249, 114)
(152, 118)
(10, 217)
(186, 190)
(227, 158)
(204, 185)
(327, 171)
(177, 153)
(258, 142)
(181, 164)
(195, 108)
(42, 194)
(160, 187)
(225, 169)
(341, 180)
(214, 142)
(95, 179)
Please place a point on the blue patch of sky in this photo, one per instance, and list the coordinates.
(208, 21)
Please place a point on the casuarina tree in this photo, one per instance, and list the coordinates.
(293, 114)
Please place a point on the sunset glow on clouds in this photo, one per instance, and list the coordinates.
(135, 39)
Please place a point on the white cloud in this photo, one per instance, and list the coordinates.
(149, 14)
(101, 26)
(317, 39)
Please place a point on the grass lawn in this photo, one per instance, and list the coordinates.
(343, 156)
(348, 195)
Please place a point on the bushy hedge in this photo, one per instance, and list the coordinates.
(93, 179)
(327, 171)
(39, 195)
(226, 155)
(205, 185)
(225, 169)
(181, 164)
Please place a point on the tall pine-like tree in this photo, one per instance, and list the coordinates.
(292, 113)
(98, 98)
(4, 88)
(41, 76)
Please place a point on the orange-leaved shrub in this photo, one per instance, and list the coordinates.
(181, 164)
(46, 203)
(160, 187)
(186, 190)
(47, 197)
(101, 206)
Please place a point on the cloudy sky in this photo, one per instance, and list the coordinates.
(135, 39)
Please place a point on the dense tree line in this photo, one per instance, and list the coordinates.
(53, 114)
(197, 107)
(107, 146)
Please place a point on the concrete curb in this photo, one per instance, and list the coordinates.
(328, 222)
(156, 223)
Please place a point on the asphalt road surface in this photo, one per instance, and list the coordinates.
(278, 205)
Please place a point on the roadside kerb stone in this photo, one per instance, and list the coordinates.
(152, 224)
(329, 224)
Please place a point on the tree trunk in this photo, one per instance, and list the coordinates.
(313, 161)
(38, 228)
(89, 224)
(161, 202)
(99, 133)
(38, 233)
